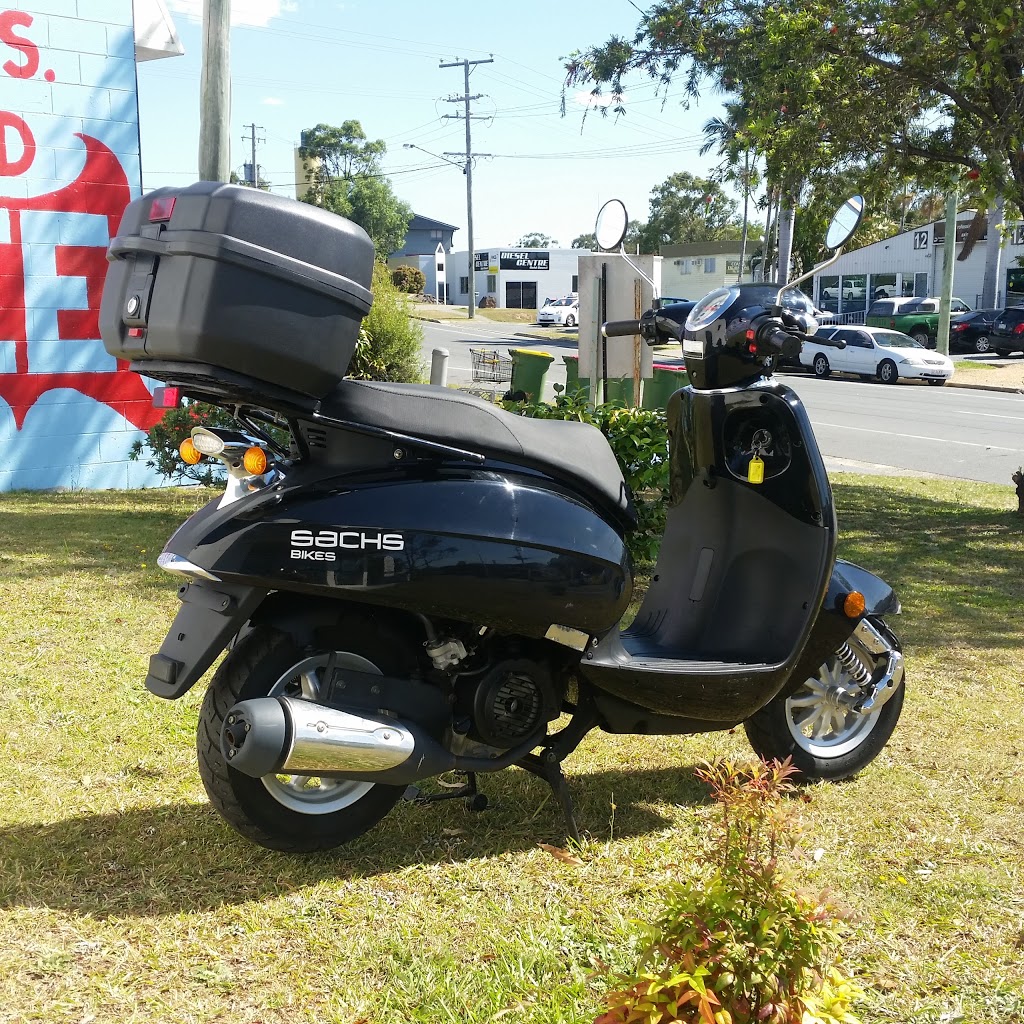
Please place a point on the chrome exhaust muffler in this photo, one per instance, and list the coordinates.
(283, 735)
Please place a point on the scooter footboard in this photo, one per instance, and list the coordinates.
(210, 614)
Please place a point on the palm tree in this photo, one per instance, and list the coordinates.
(726, 135)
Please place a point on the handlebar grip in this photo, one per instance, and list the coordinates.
(620, 328)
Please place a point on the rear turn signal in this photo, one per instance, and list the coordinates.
(853, 604)
(255, 461)
(189, 453)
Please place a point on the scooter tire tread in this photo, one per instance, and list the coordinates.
(242, 801)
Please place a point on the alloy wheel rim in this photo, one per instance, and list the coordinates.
(820, 714)
(310, 794)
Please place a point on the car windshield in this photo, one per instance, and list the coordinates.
(893, 339)
(562, 302)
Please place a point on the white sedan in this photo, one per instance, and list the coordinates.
(876, 352)
(565, 311)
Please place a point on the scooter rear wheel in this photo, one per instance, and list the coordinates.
(826, 739)
(295, 813)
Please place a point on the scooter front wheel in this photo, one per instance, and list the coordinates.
(294, 813)
(819, 730)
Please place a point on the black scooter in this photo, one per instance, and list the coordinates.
(420, 583)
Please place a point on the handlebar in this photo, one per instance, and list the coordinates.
(620, 328)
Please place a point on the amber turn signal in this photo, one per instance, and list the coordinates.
(853, 604)
(255, 461)
(189, 453)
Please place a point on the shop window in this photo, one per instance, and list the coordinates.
(463, 285)
(709, 265)
(492, 283)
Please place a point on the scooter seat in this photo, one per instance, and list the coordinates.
(571, 452)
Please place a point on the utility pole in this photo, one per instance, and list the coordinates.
(948, 258)
(468, 170)
(215, 93)
(252, 139)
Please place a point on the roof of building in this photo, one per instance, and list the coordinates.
(702, 248)
(420, 222)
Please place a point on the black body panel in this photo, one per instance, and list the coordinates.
(516, 552)
(743, 567)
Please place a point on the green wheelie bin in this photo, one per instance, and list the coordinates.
(529, 368)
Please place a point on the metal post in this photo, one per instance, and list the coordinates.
(948, 259)
(439, 367)
(215, 93)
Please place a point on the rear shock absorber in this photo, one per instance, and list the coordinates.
(853, 665)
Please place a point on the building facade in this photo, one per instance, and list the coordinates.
(426, 247)
(70, 163)
(690, 270)
(515, 278)
(910, 264)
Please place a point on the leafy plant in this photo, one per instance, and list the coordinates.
(639, 439)
(389, 346)
(410, 280)
(735, 945)
(162, 442)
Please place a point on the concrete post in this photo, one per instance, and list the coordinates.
(439, 367)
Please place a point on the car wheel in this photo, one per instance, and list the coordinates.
(981, 343)
(887, 372)
(820, 366)
(570, 321)
(770, 364)
(921, 337)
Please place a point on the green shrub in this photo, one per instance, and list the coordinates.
(735, 945)
(410, 280)
(389, 341)
(162, 442)
(639, 439)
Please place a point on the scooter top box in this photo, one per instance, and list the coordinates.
(231, 277)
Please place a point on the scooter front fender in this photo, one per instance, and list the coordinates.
(833, 627)
(210, 614)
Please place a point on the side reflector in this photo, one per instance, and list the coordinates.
(853, 604)
(255, 461)
(136, 332)
(166, 398)
(161, 209)
(189, 453)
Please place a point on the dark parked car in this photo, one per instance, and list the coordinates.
(1008, 331)
(971, 331)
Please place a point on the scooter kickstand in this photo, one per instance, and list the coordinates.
(549, 768)
(475, 800)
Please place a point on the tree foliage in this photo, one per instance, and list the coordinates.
(685, 208)
(589, 240)
(390, 341)
(345, 177)
(536, 240)
(410, 280)
(925, 88)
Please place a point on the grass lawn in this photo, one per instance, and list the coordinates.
(124, 898)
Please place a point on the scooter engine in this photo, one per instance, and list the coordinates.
(512, 699)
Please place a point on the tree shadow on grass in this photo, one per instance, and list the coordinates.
(181, 858)
(957, 569)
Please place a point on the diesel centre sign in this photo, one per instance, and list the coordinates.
(524, 260)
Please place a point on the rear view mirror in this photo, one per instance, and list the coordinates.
(845, 222)
(612, 222)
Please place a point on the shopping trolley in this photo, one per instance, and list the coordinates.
(490, 367)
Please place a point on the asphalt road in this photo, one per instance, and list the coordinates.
(967, 433)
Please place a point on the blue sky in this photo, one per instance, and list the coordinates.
(299, 62)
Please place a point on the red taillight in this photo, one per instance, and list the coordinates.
(166, 398)
(892, 325)
(1019, 329)
(959, 327)
(161, 209)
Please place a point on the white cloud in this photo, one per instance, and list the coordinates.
(272, 101)
(254, 13)
(588, 99)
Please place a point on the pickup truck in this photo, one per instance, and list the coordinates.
(918, 317)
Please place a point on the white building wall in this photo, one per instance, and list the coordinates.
(914, 256)
(551, 283)
(692, 277)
